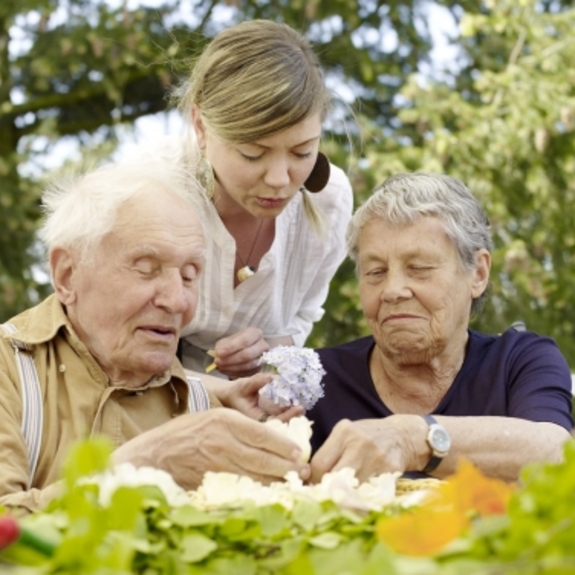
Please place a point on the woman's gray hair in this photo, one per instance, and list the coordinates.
(80, 210)
(405, 197)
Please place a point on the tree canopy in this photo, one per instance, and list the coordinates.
(501, 118)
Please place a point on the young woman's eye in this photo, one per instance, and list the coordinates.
(302, 155)
(250, 158)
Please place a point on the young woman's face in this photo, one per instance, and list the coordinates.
(261, 177)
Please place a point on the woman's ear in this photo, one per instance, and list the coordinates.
(481, 273)
(199, 127)
(63, 268)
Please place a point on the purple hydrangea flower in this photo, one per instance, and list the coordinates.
(297, 378)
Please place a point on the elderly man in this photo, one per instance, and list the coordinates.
(98, 356)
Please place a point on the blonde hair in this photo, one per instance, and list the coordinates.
(256, 79)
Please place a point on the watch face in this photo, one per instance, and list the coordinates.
(440, 439)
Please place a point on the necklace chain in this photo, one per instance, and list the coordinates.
(247, 262)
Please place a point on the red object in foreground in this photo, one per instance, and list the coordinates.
(9, 531)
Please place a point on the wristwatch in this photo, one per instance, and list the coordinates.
(438, 440)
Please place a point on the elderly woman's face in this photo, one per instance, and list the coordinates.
(415, 294)
(132, 301)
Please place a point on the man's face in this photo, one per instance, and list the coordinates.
(132, 299)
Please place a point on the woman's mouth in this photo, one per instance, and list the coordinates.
(271, 203)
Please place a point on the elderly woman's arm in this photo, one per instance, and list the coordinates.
(499, 446)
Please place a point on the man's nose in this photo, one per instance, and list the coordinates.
(172, 295)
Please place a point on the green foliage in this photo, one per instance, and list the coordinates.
(138, 532)
(503, 122)
(86, 68)
(81, 69)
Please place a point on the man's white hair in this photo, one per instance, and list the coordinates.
(80, 210)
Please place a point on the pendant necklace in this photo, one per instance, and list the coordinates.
(246, 270)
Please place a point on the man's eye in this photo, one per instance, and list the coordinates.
(145, 271)
(190, 274)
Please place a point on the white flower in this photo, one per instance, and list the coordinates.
(341, 487)
(298, 429)
(126, 474)
(297, 376)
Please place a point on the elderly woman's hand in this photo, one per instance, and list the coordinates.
(373, 446)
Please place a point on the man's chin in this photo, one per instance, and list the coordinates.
(156, 363)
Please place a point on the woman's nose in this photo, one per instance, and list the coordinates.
(395, 287)
(277, 173)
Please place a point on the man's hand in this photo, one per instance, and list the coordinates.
(243, 395)
(216, 440)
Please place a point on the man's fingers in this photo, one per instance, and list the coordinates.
(262, 451)
(293, 411)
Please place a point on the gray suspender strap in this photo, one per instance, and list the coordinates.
(32, 408)
(198, 399)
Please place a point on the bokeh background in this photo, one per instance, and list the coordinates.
(483, 91)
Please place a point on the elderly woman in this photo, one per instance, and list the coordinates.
(424, 390)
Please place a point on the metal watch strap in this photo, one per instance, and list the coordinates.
(434, 461)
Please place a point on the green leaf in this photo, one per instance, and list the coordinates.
(196, 547)
(307, 514)
(188, 516)
(86, 458)
(272, 519)
(329, 540)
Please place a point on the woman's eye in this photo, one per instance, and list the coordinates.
(375, 272)
(421, 270)
(302, 155)
(250, 158)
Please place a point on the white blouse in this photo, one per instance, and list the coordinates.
(286, 294)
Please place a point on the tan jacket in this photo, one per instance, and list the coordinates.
(77, 402)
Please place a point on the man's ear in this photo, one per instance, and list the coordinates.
(63, 269)
(481, 273)
(199, 127)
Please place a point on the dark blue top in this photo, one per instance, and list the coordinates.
(516, 374)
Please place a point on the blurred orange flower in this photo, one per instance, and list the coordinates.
(446, 512)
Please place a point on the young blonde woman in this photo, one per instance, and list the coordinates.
(274, 209)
